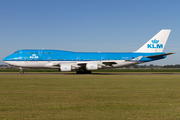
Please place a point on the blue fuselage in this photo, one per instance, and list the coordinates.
(60, 55)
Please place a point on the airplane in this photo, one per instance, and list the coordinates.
(85, 62)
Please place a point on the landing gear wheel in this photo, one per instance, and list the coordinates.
(83, 72)
(89, 72)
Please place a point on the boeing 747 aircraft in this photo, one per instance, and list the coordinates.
(85, 62)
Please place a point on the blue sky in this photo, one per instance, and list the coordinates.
(88, 25)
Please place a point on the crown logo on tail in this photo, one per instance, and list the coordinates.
(154, 41)
(155, 44)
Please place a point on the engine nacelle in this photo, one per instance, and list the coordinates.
(65, 68)
(91, 66)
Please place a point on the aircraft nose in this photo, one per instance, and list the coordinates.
(5, 59)
(8, 58)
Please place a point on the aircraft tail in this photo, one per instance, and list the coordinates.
(156, 43)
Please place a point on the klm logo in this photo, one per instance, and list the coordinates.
(155, 44)
(33, 56)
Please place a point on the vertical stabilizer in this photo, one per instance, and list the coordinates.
(156, 43)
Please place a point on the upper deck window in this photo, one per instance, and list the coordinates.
(46, 52)
(31, 52)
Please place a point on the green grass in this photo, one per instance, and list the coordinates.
(94, 97)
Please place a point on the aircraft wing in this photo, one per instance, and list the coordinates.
(109, 63)
(153, 56)
(82, 65)
(60, 64)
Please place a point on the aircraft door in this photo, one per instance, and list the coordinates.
(40, 52)
(78, 58)
(102, 58)
(25, 58)
(49, 59)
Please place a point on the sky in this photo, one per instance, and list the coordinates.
(88, 25)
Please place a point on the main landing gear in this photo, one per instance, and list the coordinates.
(83, 72)
(21, 70)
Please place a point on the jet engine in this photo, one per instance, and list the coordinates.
(91, 66)
(65, 68)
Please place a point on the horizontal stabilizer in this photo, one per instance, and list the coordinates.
(153, 56)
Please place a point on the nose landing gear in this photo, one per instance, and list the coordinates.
(21, 70)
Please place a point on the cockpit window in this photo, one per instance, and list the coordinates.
(16, 52)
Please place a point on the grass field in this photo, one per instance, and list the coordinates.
(95, 97)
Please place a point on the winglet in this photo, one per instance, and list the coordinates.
(156, 43)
